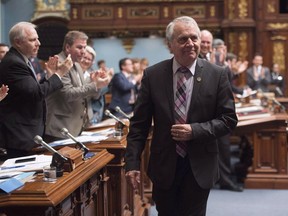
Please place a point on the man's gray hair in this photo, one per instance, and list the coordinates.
(184, 19)
(17, 32)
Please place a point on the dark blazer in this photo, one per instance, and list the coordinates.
(211, 115)
(120, 88)
(22, 113)
(262, 83)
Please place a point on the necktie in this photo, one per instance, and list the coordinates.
(32, 68)
(180, 106)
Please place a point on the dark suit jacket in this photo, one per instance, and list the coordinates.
(22, 113)
(120, 88)
(211, 115)
(262, 83)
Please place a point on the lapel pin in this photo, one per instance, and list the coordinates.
(198, 79)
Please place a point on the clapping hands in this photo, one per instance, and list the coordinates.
(61, 68)
(101, 78)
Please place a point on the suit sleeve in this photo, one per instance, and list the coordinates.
(224, 120)
(27, 87)
(73, 92)
(139, 127)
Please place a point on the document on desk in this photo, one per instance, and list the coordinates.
(12, 183)
(86, 136)
(25, 164)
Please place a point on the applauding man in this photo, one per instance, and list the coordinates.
(23, 111)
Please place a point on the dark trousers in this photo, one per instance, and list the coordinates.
(224, 161)
(185, 197)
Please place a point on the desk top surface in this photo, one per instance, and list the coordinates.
(43, 193)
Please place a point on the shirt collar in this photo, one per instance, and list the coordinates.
(176, 65)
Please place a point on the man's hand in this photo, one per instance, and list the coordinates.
(133, 177)
(181, 132)
(3, 91)
(61, 68)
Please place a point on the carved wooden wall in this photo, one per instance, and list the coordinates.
(257, 26)
(247, 26)
(139, 18)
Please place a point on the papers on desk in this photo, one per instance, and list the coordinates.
(15, 172)
(37, 164)
(12, 183)
(251, 112)
(246, 94)
(86, 136)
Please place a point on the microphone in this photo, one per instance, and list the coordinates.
(118, 109)
(279, 91)
(108, 113)
(279, 104)
(38, 139)
(58, 159)
(79, 145)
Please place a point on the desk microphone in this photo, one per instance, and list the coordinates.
(279, 91)
(108, 113)
(38, 139)
(79, 145)
(279, 104)
(118, 109)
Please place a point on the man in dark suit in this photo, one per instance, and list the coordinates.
(258, 76)
(181, 182)
(23, 111)
(123, 87)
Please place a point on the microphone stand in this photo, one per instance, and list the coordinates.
(79, 145)
(58, 159)
(119, 125)
(118, 109)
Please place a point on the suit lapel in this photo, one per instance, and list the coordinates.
(198, 76)
(168, 81)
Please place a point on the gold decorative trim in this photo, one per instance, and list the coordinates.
(101, 13)
(279, 54)
(120, 12)
(279, 37)
(212, 11)
(166, 12)
(143, 12)
(231, 40)
(74, 13)
(125, 1)
(49, 8)
(243, 9)
(128, 44)
(231, 9)
(193, 11)
(243, 53)
(271, 7)
(277, 25)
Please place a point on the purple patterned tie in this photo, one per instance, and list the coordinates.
(180, 105)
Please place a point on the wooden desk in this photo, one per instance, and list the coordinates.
(120, 194)
(80, 192)
(268, 137)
